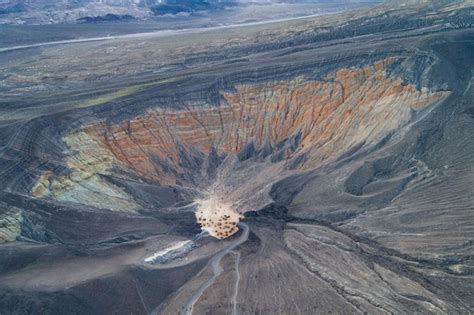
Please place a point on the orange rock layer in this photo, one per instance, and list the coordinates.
(349, 107)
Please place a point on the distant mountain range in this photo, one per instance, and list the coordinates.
(60, 11)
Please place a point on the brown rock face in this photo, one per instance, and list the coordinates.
(322, 120)
(350, 107)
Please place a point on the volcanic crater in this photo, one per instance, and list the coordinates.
(233, 151)
(309, 166)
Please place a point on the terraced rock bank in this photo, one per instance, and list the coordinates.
(287, 126)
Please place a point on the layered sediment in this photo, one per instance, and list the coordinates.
(88, 163)
(10, 226)
(313, 122)
(350, 107)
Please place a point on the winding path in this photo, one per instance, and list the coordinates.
(217, 270)
(237, 281)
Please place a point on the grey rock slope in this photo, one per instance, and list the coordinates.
(344, 142)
